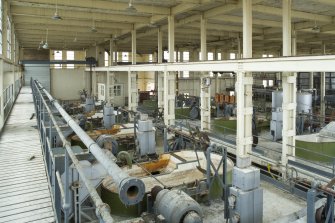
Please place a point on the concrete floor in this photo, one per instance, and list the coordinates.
(277, 203)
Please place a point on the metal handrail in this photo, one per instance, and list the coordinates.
(103, 210)
(131, 190)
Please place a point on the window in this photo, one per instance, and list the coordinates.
(210, 56)
(166, 55)
(150, 57)
(270, 83)
(106, 57)
(211, 74)
(219, 56)
(70, 56)
(102, 90)
(232, 56)
(186, 74)
(58, 56)
(9, 38)
(265, 83)
(125, 57)
(117, 90)
(186, 56)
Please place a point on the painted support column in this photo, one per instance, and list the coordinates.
(205, 96)
(217, 85)
(111, 53)
(294, 42)
(107, 96)
(169, 78)
(244, 94)
(323, 90)
(132, 91)
(160, 87)
(171, 38)
(160, 90)
(203, 38)
(289, 81)
(133, 46)
(94, 83)
(169, 98)
(160, 46)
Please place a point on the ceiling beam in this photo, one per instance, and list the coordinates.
(96, 6)
(295, 14)
(68, 15)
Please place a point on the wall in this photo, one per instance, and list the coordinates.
(66, 83)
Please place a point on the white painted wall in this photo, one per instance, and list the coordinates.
(66, 83)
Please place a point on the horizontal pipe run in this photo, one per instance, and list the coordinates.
(102, 208)
(131, 190)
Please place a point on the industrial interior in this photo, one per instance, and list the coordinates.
(167, 111)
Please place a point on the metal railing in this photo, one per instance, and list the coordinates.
(131, 190)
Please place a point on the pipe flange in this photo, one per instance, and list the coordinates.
(131, 191)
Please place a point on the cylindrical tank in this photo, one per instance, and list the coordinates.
(89, 104)
(109, 117)
(304, 102)
(177, 206)
(277, 99)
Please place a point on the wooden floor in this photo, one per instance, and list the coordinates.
(24, 190)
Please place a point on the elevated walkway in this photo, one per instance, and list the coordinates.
(24, 189)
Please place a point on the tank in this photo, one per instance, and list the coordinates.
(304, 102)
(89, 105)
(109, 117)
(277, 99)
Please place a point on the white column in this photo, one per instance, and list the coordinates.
(94, 83)
(171, 37)
(311, 85)
(294, 42)
(323, 90)
(107, 96)
(132, 91)
(289, 90)
(203, 38)
(169, 98)
(205, 96)
(169, 79)
(133, 46)
(111, 53)
(244, 94)
(160, 46)
(160, 90)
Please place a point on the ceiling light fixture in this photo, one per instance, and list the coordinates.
(75, 38)
(93, 28)
(316, 28)
(46, 45)
(56, 16)
(152, 24)
(131, 8)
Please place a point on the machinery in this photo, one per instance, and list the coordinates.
(304, 111)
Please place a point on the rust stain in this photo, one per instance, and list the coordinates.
(157, 165)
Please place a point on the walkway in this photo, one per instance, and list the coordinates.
(24, 188)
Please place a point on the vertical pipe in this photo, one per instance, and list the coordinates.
(203, 38)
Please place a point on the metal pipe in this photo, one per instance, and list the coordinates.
(102, 209)
(130, 189)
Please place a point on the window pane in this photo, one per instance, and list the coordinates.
(58, 56)
(70, 56)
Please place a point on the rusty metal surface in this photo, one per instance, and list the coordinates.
(24, 188)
